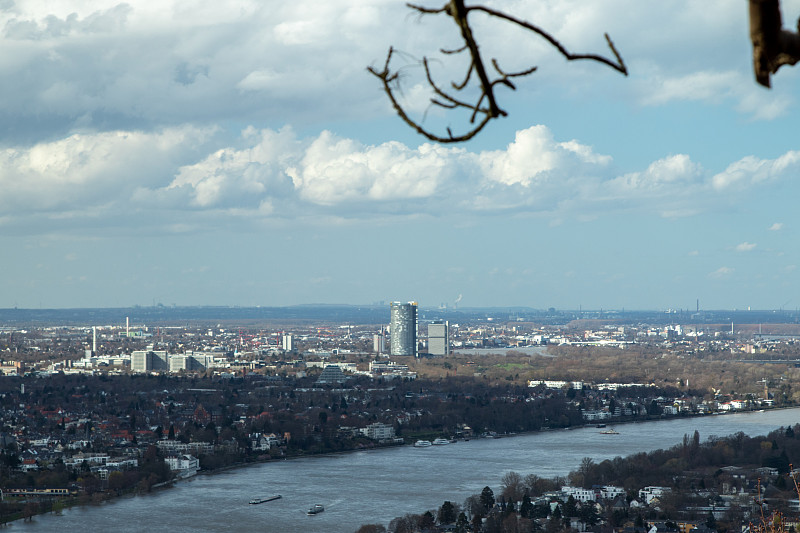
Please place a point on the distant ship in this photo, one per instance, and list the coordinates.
(422, 444)
(440, 441)
(256, 501)
(318, 508)
(609, 431)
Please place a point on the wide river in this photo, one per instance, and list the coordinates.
(376, 486)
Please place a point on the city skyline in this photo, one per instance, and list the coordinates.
(242, 155)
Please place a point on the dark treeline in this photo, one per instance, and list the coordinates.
(780, 449)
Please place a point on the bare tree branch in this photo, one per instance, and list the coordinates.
(618, 65)
(485, 107)
(773, 46)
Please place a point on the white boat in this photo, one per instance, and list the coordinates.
(422, 444)
(440, 441)
(318, 508)
(609, 431)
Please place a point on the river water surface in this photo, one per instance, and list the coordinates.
(375, 486)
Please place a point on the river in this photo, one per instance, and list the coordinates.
(375, 486)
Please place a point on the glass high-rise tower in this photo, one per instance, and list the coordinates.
(403, 328)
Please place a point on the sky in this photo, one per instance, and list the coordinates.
(239, 153)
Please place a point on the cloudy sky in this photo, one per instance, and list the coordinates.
(239, 153)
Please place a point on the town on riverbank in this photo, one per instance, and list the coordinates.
(734, 483)
(90, 413)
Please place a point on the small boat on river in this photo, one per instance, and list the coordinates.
(422, 444)
(609, 431)
(440, 441)
(256, 501)
(318, 508)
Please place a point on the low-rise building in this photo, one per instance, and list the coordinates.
(378, 431)
(184, 465)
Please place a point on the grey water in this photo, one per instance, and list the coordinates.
(375, 486)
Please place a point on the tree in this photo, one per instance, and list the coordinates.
(426, 521)
(447, 513)
(570, 507)
(116, 481)
(557, 513)
(588, 513)
(461, 523)
(526, 507)
(371, 528)
(404, 524)
(539, 485)
(483, 106)
(583, 477)
(512, 486)
(487, 498)
(473, 506)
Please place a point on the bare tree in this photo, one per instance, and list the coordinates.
(773, 46)
(484, 108)
(513, 487)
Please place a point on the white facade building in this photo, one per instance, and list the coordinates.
(439, 338)
(185, 465)
(580, 494)
(648, 494)
(287, 344)
(378, 431)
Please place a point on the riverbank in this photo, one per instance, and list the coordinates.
(363, 487)
(410, 441)
(104, 497)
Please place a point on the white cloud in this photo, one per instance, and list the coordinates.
(673, 171)
(85, 170)
(751, 170)
(533, 156)
(181, 177)
(714, 87)
(694, 86)
(776, 226)
(745, 247)
(168, 63)
(240, 178)
(108, 65)
(335, 170)
(259, 80)
(721, 272)
(268, 173)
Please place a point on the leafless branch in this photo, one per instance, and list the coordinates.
(485, 107)
(773, 46)
(618, 65)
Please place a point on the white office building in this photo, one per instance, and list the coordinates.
(439, 338)
(149, 361)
